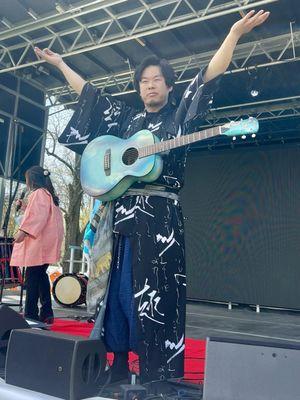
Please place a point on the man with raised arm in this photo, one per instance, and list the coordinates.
(145, 309)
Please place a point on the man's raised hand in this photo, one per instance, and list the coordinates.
(49, 56)
(249, 21)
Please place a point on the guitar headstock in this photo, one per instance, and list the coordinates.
(242, 127)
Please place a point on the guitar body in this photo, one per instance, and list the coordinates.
(110, 165)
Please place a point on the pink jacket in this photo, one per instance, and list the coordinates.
(43, 221)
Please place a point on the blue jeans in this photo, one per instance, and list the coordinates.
(120, 320)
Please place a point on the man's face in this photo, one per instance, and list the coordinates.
(153, 89)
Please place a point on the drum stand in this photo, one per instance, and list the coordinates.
(2, 287)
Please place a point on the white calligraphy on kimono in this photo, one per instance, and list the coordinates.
(142, 202)
(178, 347)
(168, 240)
(111, 114)
(74, 132)
(154, 127)
(148, 304)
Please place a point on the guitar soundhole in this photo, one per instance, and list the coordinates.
(130, 156)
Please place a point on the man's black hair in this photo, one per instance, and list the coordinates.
(166, 70)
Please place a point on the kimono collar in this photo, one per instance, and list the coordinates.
(166, 109)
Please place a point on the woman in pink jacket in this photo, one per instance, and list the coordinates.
(38, 242)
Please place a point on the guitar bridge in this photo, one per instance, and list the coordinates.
(107, 162)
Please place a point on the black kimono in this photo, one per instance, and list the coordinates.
(153, 224)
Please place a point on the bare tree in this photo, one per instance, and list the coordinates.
(65, 167)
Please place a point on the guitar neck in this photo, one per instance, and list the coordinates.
(180, 141)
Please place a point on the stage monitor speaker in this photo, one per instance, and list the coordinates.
(9, 319)
(245, 370)
(64, 366)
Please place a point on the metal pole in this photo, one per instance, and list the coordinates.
(71, 265)
(2, 197)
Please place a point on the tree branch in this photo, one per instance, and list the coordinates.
(50, 153)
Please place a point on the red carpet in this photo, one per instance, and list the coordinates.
(194, 349)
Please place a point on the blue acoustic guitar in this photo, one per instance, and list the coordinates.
(110, 165)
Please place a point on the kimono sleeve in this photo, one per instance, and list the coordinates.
(95, 115)
(37, 213)
(196, 99)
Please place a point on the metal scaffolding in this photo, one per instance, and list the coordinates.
(90, 25)
(106, 28)
(274, 51)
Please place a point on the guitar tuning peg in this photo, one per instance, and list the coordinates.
(244, 137)
(253, 135)
(234, 138)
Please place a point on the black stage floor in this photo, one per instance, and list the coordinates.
(242, 322)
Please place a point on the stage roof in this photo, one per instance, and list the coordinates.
(105, 40)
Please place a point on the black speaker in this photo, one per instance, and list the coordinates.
(68, 367)
(9, 319)
(245, 370)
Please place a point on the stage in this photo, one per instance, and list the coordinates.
(241, 323)
(207, 319)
